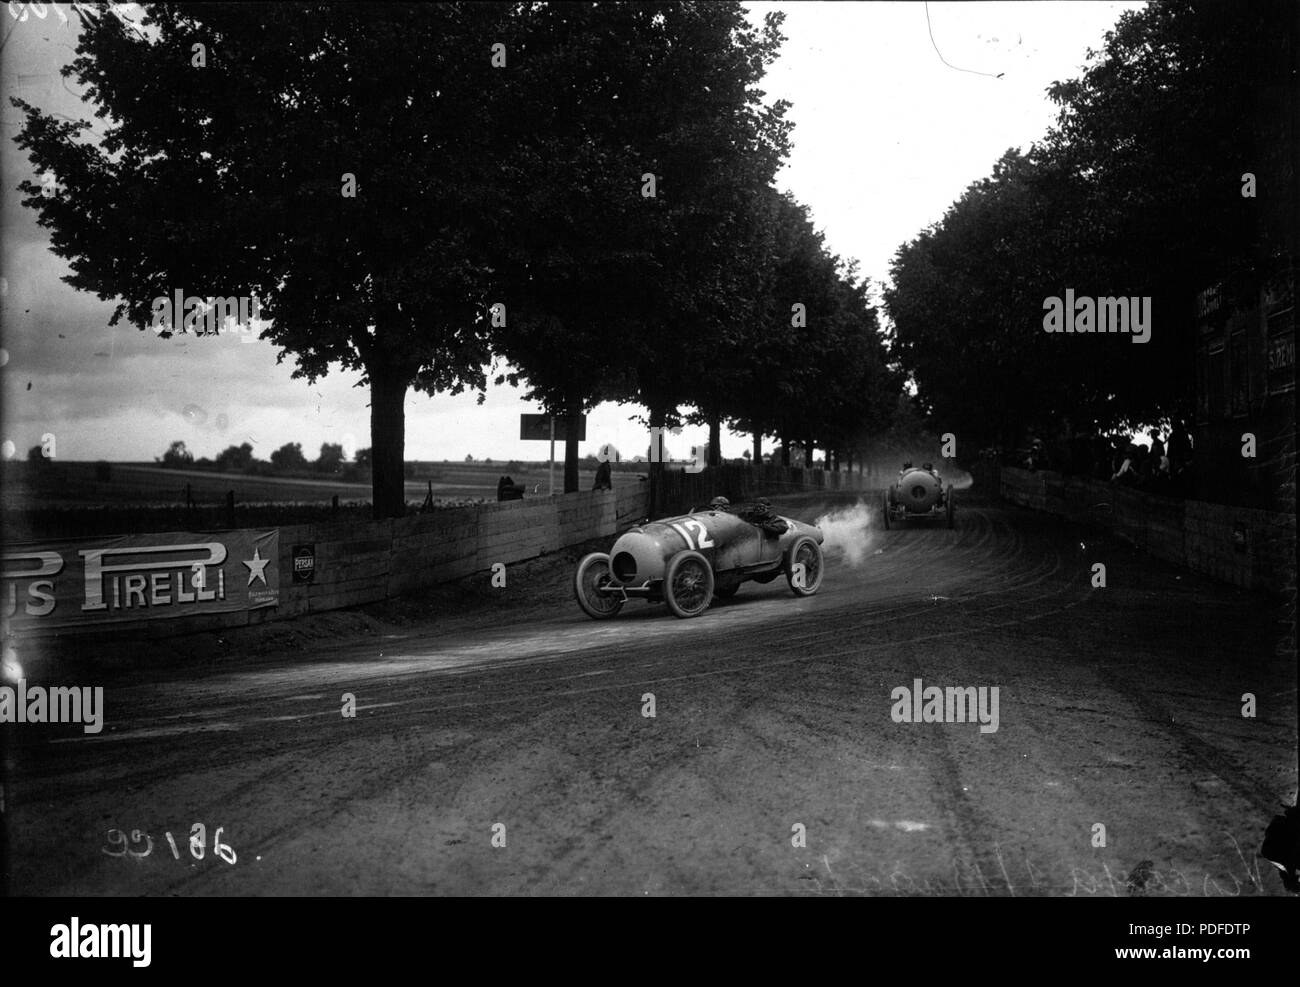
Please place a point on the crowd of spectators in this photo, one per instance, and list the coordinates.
(1160, 466)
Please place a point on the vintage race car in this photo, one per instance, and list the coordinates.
(686, 561)
(918, 492)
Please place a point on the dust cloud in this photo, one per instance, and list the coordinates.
(849, 531)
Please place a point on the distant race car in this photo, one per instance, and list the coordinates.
(918, 493)
(686, 561)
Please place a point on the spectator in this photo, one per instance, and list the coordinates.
(508, 489)
(603, 480)
(1159, 465)
(1180, 448)
(1126, 473)
(1142, 466)
(1119, 453)
(1037, 457)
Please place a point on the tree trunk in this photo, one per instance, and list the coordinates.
(387, 441)
(715, 439)
(572, 424)
(758, 446)
(785, 450)
(657, 417)
(808, 451)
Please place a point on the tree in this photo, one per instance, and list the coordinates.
(966, 304)
(811, 364)
(1135, 192)
(362, 458)
(640, 133)
(177, 456)
(238, 457)
(1182, 99)
(330, 458)
(331, 160)
(289, 457)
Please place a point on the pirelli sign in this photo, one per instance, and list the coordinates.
(68, 584)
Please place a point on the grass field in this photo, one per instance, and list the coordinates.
(80, 484)
(63, 498)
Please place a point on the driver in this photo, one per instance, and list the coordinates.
(720, 504)
(761, 516)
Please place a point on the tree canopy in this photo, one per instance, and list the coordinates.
(412, 192)
(1136, 191)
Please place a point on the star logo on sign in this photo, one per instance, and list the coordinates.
(256, 567)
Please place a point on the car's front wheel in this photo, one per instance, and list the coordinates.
(593, 573)
(688, 584)
(804, 573)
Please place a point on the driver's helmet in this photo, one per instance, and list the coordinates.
(719, 503)
(906, 466)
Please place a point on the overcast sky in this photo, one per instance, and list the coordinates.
(886, 137)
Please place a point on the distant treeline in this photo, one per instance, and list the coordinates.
(288, 460)
(332, 461)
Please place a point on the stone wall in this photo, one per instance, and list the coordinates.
(1247, 547)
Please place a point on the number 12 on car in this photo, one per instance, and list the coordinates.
(704, 540)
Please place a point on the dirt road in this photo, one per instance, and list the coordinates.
(522, 722)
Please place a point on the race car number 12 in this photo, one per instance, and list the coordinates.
(705, 540)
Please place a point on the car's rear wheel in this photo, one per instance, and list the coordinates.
(949, 508)
(688, 584)
(885, 506)
(593, 573)
(807, 553)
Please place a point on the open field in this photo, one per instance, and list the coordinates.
(82, 498)
(77, 484)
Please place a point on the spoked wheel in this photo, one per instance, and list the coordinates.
(593, 573)
(688, 584)
(808, 553)
(885, 504)
(949, 506)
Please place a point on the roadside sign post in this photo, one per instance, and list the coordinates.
(545, 427)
